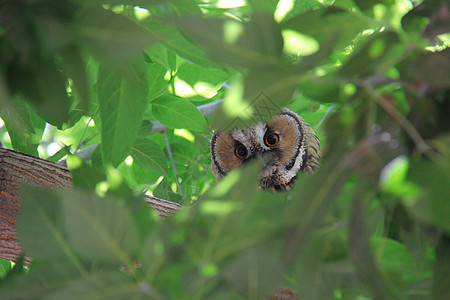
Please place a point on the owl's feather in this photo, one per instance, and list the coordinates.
(297, 149)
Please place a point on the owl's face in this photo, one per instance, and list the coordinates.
(286, 144)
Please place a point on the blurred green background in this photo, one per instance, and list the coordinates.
(371, 77)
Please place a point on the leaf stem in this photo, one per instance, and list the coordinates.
(398, 117)
(172, 163)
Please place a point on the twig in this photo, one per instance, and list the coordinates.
(169, 152)
(421, 145)
(325, 117)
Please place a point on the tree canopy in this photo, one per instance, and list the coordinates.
(127, 93)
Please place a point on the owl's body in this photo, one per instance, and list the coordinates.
(286, 144)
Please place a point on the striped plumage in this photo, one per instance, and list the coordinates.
(287, 144)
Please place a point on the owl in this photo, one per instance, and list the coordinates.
(286, 144)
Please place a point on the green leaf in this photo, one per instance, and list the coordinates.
(440, 286)
(164, 56)
(301, 7)
(76, 226)
(360, 250)
(157, 84)
(98, 229)
(322, 24)
(174, 40)
(110, 36)
(149, 155)
(320, 190)
(123, 100)
(44, 86)
(40, 282)
(84, 176)
(253, 44)
(369, 54)
(164, 191)
(432, 207)
(40, 226)
(193, 74)
(262, 35)
(112, 284)
(175, 112)
(74, 67)
(393, 256)
(24, 126)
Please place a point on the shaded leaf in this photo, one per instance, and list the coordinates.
(40, 282)
(260, 42)
(432, 68)
(324, 23)
(98, 229)
(149, 155)
(111, 36)
(368, 55)
(440, 287)
(40, 226)
(175, 41)
(74, 67)
(432, 206)
(360, 250)
(100, 285)
(44, 86)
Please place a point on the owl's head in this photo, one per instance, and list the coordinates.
(286, 144)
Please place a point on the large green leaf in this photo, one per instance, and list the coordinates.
(324, 23)
(101, 285)
(74, 226)
(43, 85)
(175, 112)
(41, 281)
(98, 229)
(174, 40)
(252, 44)
(149, 155)
(40, 227)
(110, 36)
(123, 100)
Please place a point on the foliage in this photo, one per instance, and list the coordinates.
(370, 76)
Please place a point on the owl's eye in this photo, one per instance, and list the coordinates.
(240, 151)
(271, 139)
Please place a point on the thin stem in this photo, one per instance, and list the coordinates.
(421, 145)
(169, 152)
(325, 116)
(84, 130)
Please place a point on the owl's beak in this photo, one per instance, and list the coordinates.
(266, 156)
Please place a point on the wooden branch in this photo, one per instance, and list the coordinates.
(19, 168)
